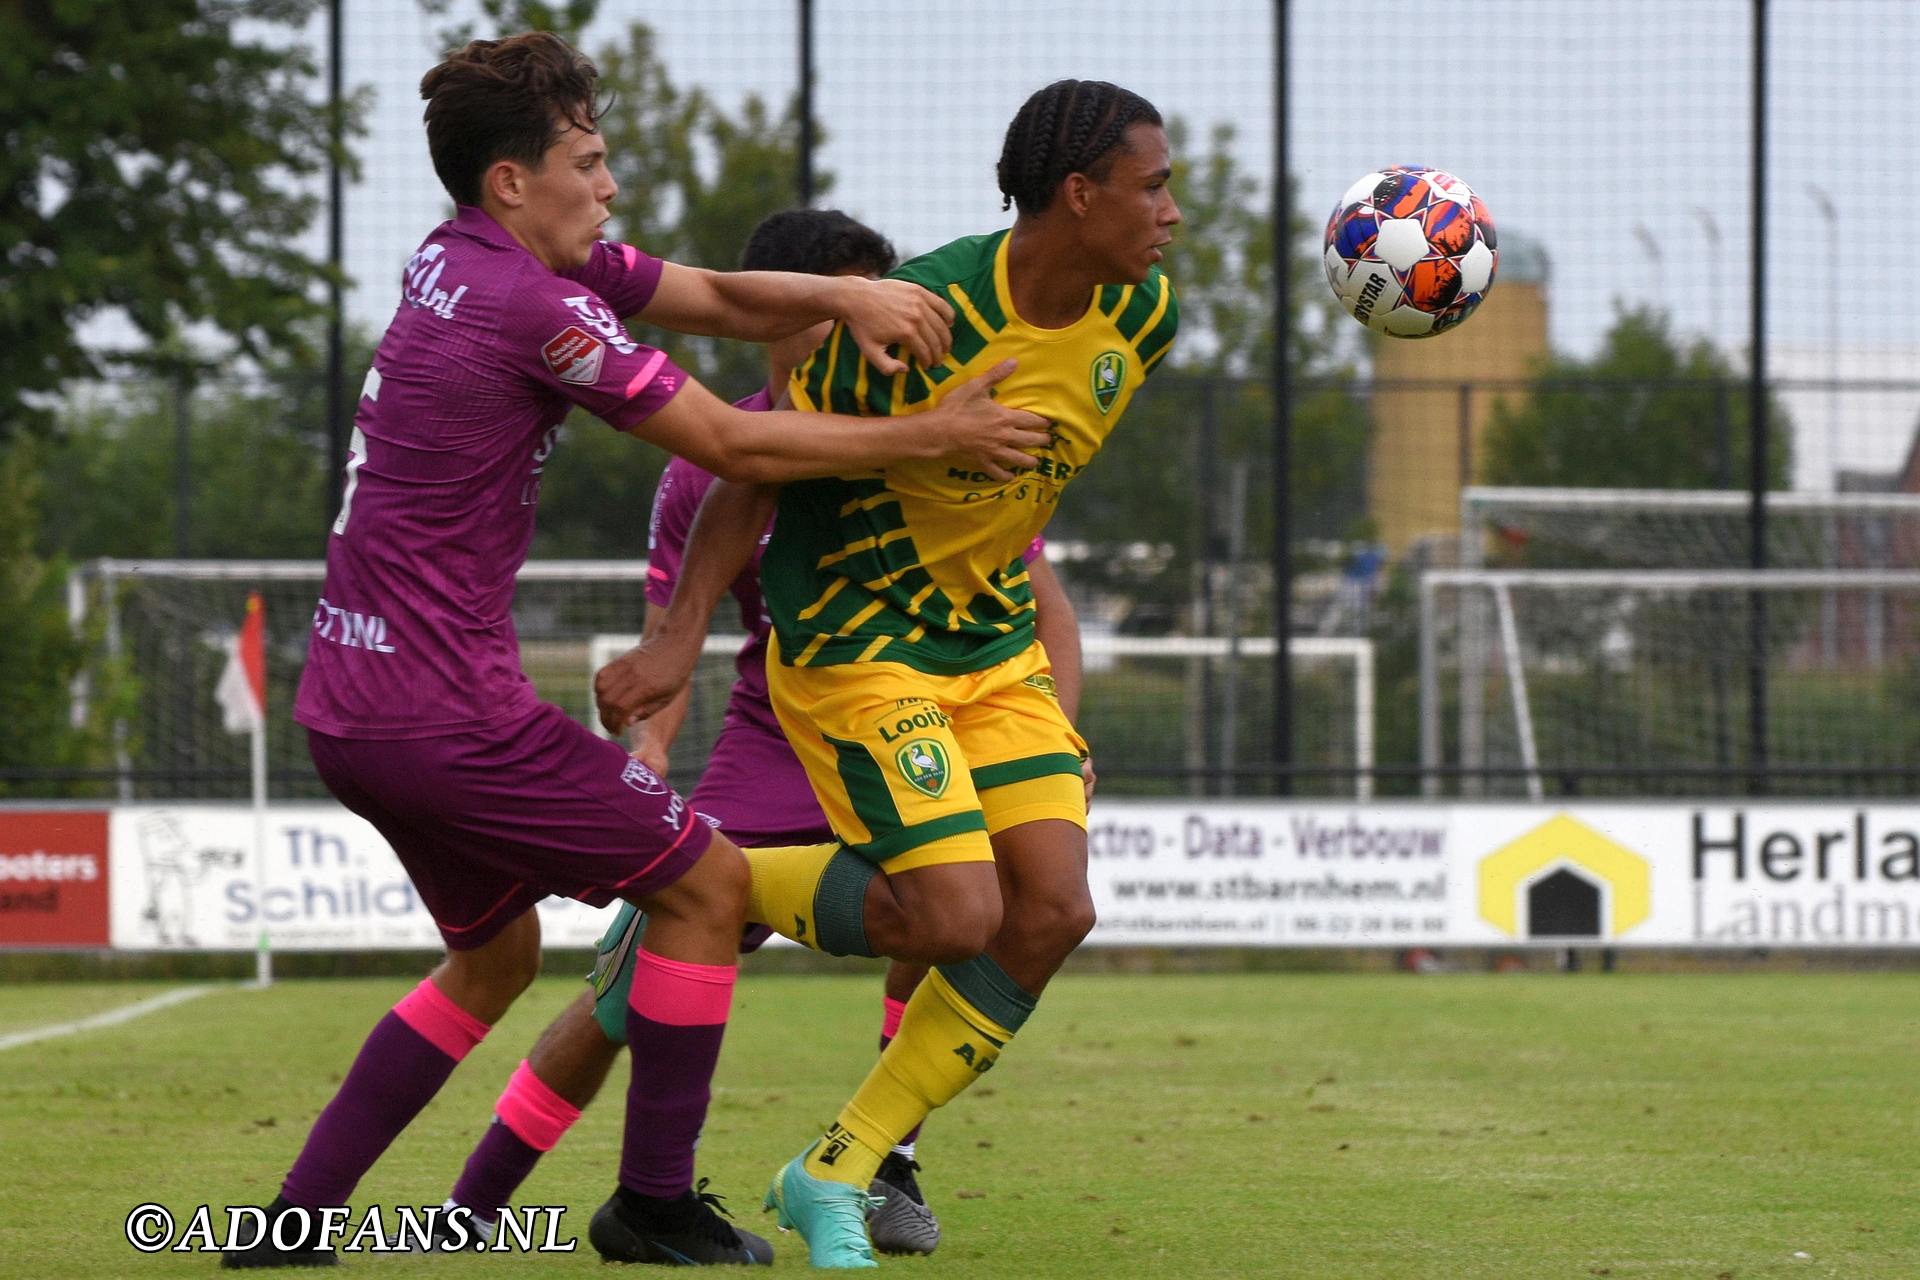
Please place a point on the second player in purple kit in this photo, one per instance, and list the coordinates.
(419, 716)
(752, 788)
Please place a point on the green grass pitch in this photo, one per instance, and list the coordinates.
(1362, 1125)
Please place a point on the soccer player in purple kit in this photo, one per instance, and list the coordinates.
(753, 789)
(419, 716)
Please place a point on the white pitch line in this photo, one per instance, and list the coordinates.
(111, 1018)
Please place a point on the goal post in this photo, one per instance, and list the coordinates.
(1170, 715)
(1539, 527)
(1347, 662)
(1636, 669)
(1558, 527)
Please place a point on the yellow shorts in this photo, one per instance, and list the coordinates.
(915, 769)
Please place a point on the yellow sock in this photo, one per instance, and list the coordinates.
(812, 893)
(944, 1044)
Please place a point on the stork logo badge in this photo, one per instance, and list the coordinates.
(1109, 372)
(575, 356)
(923, 763)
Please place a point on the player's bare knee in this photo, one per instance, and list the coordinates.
(1057, 922)
(512, 972)
(487, 979)
(941, 914)
(714, 888)
(1077, 921)
(962, 931)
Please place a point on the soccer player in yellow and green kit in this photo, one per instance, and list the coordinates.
(906, 673)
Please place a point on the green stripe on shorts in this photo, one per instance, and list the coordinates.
(866, 787)
(1008, 772)
(905, 839)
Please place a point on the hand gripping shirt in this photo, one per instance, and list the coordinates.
(683, 486)
(487, 352)
(921, 563)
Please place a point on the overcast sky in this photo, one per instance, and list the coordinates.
(1616, 135)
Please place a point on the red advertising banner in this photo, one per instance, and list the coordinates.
(53, 878)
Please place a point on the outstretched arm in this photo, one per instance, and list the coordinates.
(1058, 629)
(782, 445)
(647, 679)
(763, 306)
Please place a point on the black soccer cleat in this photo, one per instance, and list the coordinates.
(265, 1253)
(901, 1221)
(687, 1231)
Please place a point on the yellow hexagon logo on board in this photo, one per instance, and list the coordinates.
(1563, 879)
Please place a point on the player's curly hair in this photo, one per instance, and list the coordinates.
(821, 242)
(1071, 126)
(504, 100)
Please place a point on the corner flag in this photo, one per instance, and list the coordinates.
(242, 691)
(242, 694)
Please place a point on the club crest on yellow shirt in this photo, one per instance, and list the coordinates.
(923, 763)
(1109, 373)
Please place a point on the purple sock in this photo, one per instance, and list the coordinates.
(405, 1060)
(530, 1118)
(676, 1016)
(495, 1171)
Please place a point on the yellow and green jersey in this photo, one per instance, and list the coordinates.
(921, 563)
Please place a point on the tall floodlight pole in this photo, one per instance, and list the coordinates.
(1282, 420)
(804, 178)
(1757, 414)
(1831, 216)
(1830, 600)
(1651, 247)
(336, 240)
(1712, 231)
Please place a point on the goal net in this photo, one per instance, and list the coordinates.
(164, 626)
(1563, 528)
(1166, 715)
(1645, 676)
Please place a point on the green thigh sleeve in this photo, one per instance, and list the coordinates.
(612, 975)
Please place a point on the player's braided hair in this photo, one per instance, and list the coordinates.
(504, 100)
(1071, 126)
(821, 242)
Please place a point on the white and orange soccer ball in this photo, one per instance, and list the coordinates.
(1410, 251)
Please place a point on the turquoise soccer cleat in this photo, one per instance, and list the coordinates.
(830, 1216)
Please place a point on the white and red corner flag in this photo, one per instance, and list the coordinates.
(242, 691)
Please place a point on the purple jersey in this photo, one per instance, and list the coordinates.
(753, 786)
(486, 354)
(675, 503)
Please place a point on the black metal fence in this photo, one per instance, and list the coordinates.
(1700, 289)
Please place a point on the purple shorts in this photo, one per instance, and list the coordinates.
(488, 823)
(755, 789)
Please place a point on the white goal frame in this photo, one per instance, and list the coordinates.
(1499, 585)
(92, 585)
(1359, 651)
(1481, 504)
(1479, 500)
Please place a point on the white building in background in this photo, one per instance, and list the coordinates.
(1865, 427)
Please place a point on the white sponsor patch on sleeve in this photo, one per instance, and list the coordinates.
(575, 356)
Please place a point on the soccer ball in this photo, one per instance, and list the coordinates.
(1410, 251)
